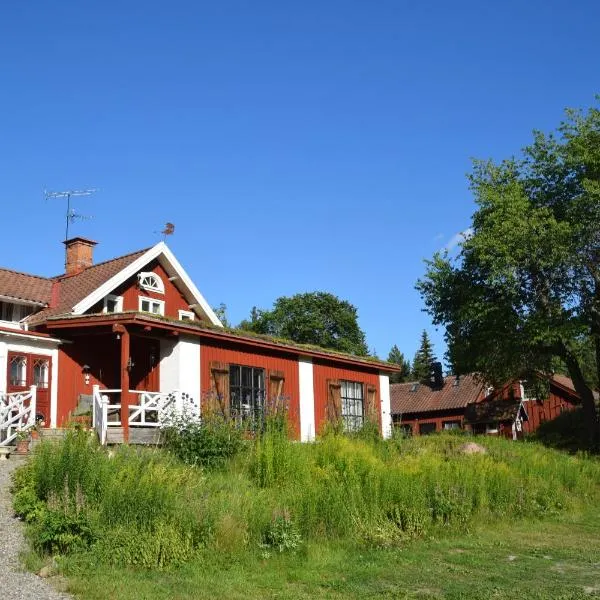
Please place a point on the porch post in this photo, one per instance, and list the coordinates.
(124, 362)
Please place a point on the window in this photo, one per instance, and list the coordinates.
(247, 393)
(150, 305)
(449, 425)
(14, 312)
(41, 369)
(426, 428)
(151, 282)
(352, 405)
(186, 315)
(405, 429)
(113, 304)
(18, 371)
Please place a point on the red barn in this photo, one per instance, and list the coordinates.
(129, 336)
(466, 403)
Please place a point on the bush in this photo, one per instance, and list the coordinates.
(209, 443)
(565, 432)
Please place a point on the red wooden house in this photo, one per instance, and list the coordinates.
(466, 403)
(132, 335)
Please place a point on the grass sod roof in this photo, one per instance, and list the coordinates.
(241, 334)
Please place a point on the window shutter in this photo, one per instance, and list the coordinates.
(274, 399)
(334, 401)
(219, 401)
(371, 411)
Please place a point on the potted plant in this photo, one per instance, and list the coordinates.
(22, 442)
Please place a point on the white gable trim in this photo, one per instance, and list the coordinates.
(137, 265)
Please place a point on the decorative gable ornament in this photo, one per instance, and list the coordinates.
(151, 282)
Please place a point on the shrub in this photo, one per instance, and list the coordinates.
(565, 432)
(209, 443)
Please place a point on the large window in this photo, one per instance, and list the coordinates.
(10, 311)
(247, 394)
(353, 414)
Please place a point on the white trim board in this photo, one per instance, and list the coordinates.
(160, 251)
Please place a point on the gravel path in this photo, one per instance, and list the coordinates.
(14, 583)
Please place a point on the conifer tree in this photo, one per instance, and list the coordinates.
(397, 357)
(421, 366)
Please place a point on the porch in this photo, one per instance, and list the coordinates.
(136, 417)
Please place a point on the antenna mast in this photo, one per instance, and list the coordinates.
(71, 215)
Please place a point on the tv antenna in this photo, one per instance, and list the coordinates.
(70, 215)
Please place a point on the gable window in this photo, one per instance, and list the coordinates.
(247, 393)
(149, 305)
(186, 315)
(113, 304)
(353, 413)
(151, 282)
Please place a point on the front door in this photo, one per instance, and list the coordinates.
(25, 370)
(145, 356)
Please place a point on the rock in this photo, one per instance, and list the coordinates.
(472, 448)
(45, 572)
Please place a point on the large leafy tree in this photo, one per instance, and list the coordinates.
(424, 359)
(397, 357)
(318, 318)
(523, 294)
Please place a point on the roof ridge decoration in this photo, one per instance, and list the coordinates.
(160, 249)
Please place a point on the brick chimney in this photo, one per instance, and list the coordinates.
(79, 255)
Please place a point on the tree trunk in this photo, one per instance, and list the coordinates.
(588, 403)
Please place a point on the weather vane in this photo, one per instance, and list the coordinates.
(168, 230)
(70, 215)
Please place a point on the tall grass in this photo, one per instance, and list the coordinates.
(147, 508)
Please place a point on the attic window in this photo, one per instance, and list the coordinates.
(456, 382)
(415, 387)
(151, 282)
(113, 304)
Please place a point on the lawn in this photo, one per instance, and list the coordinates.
(219, 517)
(557, 558)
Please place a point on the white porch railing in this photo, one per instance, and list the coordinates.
(17, 413)
(149, 410)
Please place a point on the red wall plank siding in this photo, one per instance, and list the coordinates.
(233, 353)
(173, 299)
(549, 409)
(324, 370)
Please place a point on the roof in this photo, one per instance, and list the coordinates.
(22, 286)
(424, 398)
(74, 288)
(209, 330)
(493, 411)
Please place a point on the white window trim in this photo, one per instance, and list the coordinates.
(186, 313)
(160, 286)
(114, 298)
(161, 303)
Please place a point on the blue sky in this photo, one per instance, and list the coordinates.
(297, 146)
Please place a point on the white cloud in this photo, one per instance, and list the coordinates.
(458, 238)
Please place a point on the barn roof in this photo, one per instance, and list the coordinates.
(419, 397)
(494, 411)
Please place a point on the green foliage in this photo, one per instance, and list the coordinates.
(424, 358)
(317, 318)
(522, 294)
(146, 509)
(210, 443)
(221, 312)
(396, 357)
(565, 432)
(283, 534)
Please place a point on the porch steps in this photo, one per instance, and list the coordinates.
(49, 435)
(146, 436)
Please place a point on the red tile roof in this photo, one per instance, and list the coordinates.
(22, 286)
(427, 399)
(75, 288)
